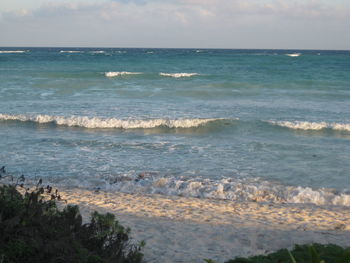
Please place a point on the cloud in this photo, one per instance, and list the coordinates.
(214, 23)
(139, 2)
(305, 8)
(190, 10)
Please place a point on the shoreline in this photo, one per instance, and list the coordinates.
(185, 229)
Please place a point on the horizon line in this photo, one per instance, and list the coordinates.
(212, 48)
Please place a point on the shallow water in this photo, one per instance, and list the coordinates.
(233, 124)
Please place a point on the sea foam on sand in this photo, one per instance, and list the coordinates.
(186, 229)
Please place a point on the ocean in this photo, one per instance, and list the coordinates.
(242, 125)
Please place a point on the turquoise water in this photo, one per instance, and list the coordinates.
(270, 125)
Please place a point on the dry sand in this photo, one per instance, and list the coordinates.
(179, 229)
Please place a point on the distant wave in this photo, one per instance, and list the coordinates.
(236, 189)
(178, 75)
(70, 51)
(95, 122)
(12, 51)
(112, 74)
(305, 125)
(293, 54)
(97, 52)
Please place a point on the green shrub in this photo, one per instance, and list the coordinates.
(302, 254)
(34, 230)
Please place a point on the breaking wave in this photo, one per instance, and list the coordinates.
(97, 52)
(70, 51)
(305, 125)
(102, 123)
(235, 189)
(293, 54)
(178, 75)
(12, 51)
(112, 74)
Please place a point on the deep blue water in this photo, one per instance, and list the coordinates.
(232, 124)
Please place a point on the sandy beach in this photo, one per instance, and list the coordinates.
(179, 229)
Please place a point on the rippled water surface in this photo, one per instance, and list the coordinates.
(267, 125)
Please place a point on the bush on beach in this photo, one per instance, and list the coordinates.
(35, 230)
(316, 253)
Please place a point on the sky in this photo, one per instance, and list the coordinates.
(261, 24)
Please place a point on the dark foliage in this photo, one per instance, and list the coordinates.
(34, 230)
(302, 254)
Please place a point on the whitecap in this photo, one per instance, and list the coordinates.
(70, 51)
(178, 75)
(112, 74)
(341, 126)
(306, 125)
(12, 51)
(96, 122)
(97, 52)
(293, 54)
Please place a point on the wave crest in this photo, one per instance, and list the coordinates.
(178, 75)
(70, 51)
(97, 52)
(112, 74)
(305, 125)
(12, 51)
(102, 123)
(293, 54)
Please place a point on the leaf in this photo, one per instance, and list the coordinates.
(142, 243)
(314, 256)
(291, 256)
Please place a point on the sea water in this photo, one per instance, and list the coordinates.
(251, 125)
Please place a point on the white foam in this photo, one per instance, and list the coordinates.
(95, 122)
(341, 126)
(97, 52)
(293, 54)
(12, 51)
(112, 74)
(70, 51)
(235, 189)
(305, 125)
(178, 75)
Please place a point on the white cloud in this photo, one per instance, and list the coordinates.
(207, 23)
(308, 9)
